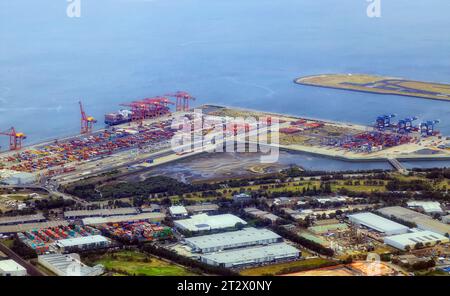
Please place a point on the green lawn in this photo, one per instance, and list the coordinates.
(8, 242)
(135, 263)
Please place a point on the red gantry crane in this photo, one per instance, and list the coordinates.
(138, 111)
(182, 100)
(87, 122)
(15, 138)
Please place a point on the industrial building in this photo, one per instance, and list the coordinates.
(257, 213)
(10, 229)
(250, 256)
(234, 239)
(203, 222)
(178, 212)
(202, 208)
(148, 217)
(378, 223)
(14, 178)
(13, 220)
(446, 219)
(68, 265)
(242, 197)
(422, 221)
(152, 208)
(429, 207)
(82, 243)
(11, 268)
(99, 213)
(409, 240)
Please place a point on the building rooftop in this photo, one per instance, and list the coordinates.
(250, 254)
(422, 221)
(31, 226)
(204, 222)
(21, 219)
(377, 222)
(178, 210)
(246, 235)
(328, 228)
(413, 238)
(100, 212)
(10, 266)
(83, 240)
(67, 265)
(124, 218)
(202, 208)
(426, 206)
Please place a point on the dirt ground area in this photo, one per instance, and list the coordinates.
(326, 271)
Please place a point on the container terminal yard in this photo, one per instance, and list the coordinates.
(142, 134)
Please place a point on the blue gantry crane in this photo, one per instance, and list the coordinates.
(406, 125)
(427, 128)
(384, 121)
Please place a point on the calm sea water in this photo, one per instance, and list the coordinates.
(233, 52)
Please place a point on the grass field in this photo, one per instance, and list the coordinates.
(8, 242)
(380, 85)
(135, 263)
(278, 269)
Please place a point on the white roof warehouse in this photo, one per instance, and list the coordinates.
(234, 239)
(402, 241)
(422, 221)
(252, 255)
(203, 222)
(83, 243)
(378, 223)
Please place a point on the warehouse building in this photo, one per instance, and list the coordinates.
(422, 221)
(234, 239)
(429, 207)
(378, 223)
(257, 213)
(69, 265)
(148, 217)
(242, 198)
(178, 212)
(99, 213)
(152, 208)
(446, 219)
(203, 222)
(202, 208)
(251, 256)
(10, 229)
(13, 220)
(82, 243)
(409, 240)
(11, 268)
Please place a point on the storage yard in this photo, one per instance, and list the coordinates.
(136, 231)
(48, 239)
